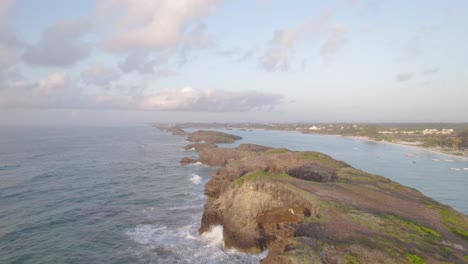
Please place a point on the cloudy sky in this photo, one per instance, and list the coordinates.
(137, 61)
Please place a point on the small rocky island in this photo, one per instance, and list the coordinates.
(306, 207)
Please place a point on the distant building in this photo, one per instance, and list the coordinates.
(430, 131)
(386, 132)
(437, 132)
(446, 131)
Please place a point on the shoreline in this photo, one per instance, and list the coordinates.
(288, 187)
(364, 138)
(417, 147)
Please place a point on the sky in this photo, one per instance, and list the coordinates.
(111, 62)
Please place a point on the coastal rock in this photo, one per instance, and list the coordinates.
(174, 130)
(253, 147)
(200, 146)
(306, 207)
(187, 161)
(212, 136)
(313, 172)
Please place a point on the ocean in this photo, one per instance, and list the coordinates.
(119, 194)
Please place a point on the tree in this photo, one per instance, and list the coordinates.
(455, 142)
(463, 136)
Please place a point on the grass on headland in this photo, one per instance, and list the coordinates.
(456, 222)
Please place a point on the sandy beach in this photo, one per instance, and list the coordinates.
(408, 145)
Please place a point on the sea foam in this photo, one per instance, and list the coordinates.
(196, 179)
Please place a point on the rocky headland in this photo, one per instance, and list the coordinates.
(306, 207)
(174, 130)
(212, 137)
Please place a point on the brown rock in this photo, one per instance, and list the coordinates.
(212, 136)
(306, 207)
(187, 161)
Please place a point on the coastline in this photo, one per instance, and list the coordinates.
(418, 147)
(291, 210)
(364, 138)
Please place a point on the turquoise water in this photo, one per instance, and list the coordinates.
(119, 195)
(441, 177)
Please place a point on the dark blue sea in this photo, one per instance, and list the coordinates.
(119, 195)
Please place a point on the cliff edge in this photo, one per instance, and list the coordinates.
(306, 207)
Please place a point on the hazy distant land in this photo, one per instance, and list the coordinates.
(447, 138)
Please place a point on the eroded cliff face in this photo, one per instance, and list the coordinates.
(306, 207)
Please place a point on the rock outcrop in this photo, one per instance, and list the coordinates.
(212, 136)
(187, 161)
(306, 207)
(200, 146)
(174, 130)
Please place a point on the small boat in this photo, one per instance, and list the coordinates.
(435, 159)
(410, 155)
(456, 169)
(448, 160)
(465, 169)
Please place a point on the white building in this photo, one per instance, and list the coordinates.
(446, 131)
(437, 132)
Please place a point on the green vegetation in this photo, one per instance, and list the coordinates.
(456, 222)
(413, 227)
(212, 136)
(257, 175)
(415, 259)
(319, 157)
(351, 259)
(353, 175)
(442, 142)
(463, 136)
(277, 151)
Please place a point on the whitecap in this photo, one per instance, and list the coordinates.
(145, 234)
(185, 207)
(184, 245)
(197, 164)
(196, 179)
(186, 150)
(214, 236)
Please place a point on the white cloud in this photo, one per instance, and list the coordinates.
(153, 33)
(58, 91)
(10, 47)
(277, 56)
(54, 83)
(61, 45)
(53, 90)
(189, 99)
(99, 74)
(143, 62)
(160, 25)
(335, 41)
